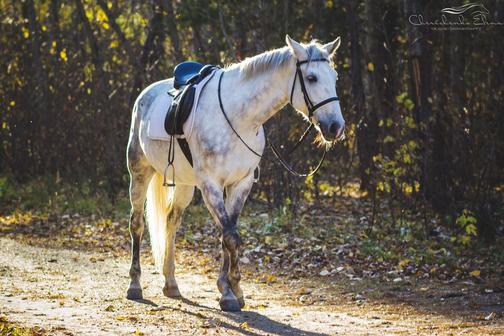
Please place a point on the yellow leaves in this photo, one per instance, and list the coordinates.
(244, 325)
(403, 263)
(124, 318)
(12, 103)
(400, 98)
(101, 16)
(403, 99)
(417, 186)
(26, 32)
(329, 4)
(471, 230)
(63, 55)
(109, 5)
(267, 278)
(105, 25)
(467, 222)
(89, 13)
(388, 122)
(377, 158)
(465, 240)
(410, 122)
(388, 139)
(4, 125)
(401, 39)
(383, 187)
(114, 44)
(475, 273)
(370, 66)
(52, 51)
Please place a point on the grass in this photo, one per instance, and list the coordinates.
(46, 196)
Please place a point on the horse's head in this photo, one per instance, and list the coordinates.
(313, 90)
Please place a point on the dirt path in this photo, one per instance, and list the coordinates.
(72, 292)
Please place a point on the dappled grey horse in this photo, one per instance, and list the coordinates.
(226, 148)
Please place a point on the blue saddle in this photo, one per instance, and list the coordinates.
(184, 72)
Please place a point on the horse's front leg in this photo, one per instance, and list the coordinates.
(214, 200)
(236, 195)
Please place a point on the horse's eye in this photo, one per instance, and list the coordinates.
(311, 78)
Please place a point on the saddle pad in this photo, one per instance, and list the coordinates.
(156, 129)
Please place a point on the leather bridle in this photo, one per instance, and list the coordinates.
(311, 110)
(309, 104)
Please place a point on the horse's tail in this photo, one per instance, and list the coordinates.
(159, 204)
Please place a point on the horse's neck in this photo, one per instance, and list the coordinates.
(255, 100)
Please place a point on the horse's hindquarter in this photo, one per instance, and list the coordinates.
(156, 151)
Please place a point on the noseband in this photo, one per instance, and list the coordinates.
(309, 104)
(311, 110)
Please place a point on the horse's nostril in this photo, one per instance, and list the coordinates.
(333, 129)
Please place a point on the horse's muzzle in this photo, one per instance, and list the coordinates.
(333, 130)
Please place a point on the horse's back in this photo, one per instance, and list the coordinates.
(149, 94)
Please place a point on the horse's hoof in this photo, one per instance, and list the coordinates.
(134, 294)
(230, 305)
(241, 302)
(172, 292)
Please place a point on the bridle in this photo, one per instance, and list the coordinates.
(309, 104)
(311, 110)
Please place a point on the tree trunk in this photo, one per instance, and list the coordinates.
(154, 37)
(171, 25)
(367, 131)
(420, 68)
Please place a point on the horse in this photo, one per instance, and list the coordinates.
(227, 141)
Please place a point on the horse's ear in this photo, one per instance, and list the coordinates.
(331, 47)
(297, 49)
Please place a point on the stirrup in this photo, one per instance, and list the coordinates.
(165, 183)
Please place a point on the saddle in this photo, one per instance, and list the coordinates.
(187, 76)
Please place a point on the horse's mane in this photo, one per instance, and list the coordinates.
(273, 59)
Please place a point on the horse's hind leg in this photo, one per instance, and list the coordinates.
(181, 199)
(140, 176)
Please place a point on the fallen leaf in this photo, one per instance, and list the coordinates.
(490, 316)
(475, 273)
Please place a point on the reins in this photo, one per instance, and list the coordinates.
(311, 110)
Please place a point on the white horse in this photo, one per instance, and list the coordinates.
(252, 91)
